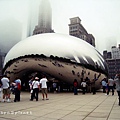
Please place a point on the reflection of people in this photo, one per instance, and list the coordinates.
(93, 86)
(54, 87)
(75, 85)
(117, 82)
(43, 83)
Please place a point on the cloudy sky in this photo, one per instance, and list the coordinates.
(99, 17)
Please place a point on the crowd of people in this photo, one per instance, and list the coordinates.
(86, 85)
(108, 84)
(36, 84)
(15, 88)
(8, 87)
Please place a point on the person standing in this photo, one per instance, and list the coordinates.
(36, 88)
(17, 89)
(43, 84)
(88, 87)
(83, 84)
(104, 84)
(31, 88)
(117, 82)
(75, 85)
(110, 86)
(54, 87)
(5, 85)
(93, 86)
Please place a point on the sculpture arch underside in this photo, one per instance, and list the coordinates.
(58, 68)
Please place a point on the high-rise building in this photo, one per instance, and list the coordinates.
(113, 60)
(2, 57)
(44, 18)
(116, 52)
(76, 29)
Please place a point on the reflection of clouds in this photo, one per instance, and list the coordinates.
(85, 59)
(75, 50)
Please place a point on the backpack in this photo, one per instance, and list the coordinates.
(18, 86)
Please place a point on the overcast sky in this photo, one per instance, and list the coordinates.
(99, 17)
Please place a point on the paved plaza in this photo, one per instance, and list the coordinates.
(62, 106)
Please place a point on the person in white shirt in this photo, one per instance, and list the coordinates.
(5, 85)
(36, 88)
(43, 84)
(110, 86)
(83, 84)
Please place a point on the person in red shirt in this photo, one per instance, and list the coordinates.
(75, 85)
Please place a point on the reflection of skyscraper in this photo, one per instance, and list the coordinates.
(44, 18)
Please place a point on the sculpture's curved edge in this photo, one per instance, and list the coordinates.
(88, 66)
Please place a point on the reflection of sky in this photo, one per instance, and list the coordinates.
(67, 46)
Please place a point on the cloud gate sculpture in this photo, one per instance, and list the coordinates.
(59, 56)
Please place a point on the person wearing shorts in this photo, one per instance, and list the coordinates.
(5, 85)
(43, 84)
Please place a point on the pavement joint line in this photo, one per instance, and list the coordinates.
(111, 109)
(95, 107)
(92, 105)
(81, 107)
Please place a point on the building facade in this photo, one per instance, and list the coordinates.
(76, 29)
(2, 57)
(44, 18)
(113, 60)
(116, 52)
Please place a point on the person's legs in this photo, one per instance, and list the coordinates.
(18, 98)
(94, 90)
(43, 93)
(37, 91)
(112, 90)
(104, 87)
(32, 95)
(46, 93)
(118, 97)
(0, 94)
(108, 90)
(8, 95)
(15, 95)
(74, 91)
(4, 94)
